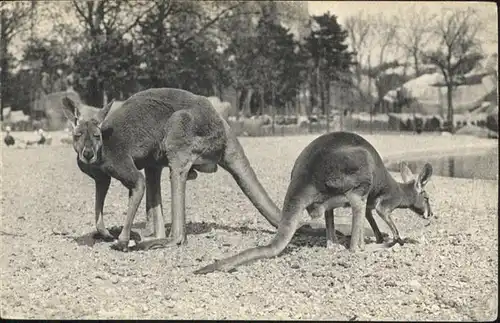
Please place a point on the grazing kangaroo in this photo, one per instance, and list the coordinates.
(336, 170)
(153, 129)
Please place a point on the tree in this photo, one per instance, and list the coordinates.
(329, 55)
(360, 31)
(414, 33)
(108, 29)
(385, 80)
(238, 36)
(14, 18)
(52, 57)
(177, 38)
(457, 50)
(278, 67)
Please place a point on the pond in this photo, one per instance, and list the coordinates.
(480, 166)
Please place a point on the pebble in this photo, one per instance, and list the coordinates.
(414, 284)
(390, 283)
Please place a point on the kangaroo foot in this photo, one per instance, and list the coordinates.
(410, 240)
(382, 238)
(207, 269)
(373, 247)
(160, 243)
(120, 245)
(115, 233)
(357, 248)
(402, 241)
(104, 235)
(332, 243)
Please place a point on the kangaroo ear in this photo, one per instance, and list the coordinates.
(101, 115)
(405, 171)
(424, 176)
(70, 110)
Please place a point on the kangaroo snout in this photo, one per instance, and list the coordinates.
(87, 155)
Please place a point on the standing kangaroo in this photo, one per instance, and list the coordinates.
(336, 170)
(153, 129)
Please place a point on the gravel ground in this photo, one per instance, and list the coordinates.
(52, 268)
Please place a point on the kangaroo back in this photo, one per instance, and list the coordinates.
(141, 123)
(341, 161)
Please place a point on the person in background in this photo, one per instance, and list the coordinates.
(42, 139)
(8, 139)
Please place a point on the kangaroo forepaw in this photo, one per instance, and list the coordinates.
(120, 245)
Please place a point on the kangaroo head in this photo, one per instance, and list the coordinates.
(87, 135)
(418, 199)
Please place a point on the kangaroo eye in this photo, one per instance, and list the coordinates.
(97, 135)
(77, 135)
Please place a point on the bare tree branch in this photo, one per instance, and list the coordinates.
(457, 53)
(15, 18)
(211, 22)
(86, 18)
(415, 26)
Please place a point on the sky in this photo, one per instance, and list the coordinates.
(487, 11)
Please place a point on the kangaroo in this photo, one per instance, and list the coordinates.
(340, 169)
(153, 129)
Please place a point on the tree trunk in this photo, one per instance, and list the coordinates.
(451, 126)
(221, 91)
(325, 107)
(328, 92)
(415, 61)
(262, 102)
(312, 95)
(246, 107)
(238, 103)
(3, 63)
(273, 113)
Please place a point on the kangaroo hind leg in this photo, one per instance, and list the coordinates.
(331, 236)
(154, 208)
(358, 206)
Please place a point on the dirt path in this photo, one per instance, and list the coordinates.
(50, 269)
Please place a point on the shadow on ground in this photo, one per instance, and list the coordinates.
(314, 237)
